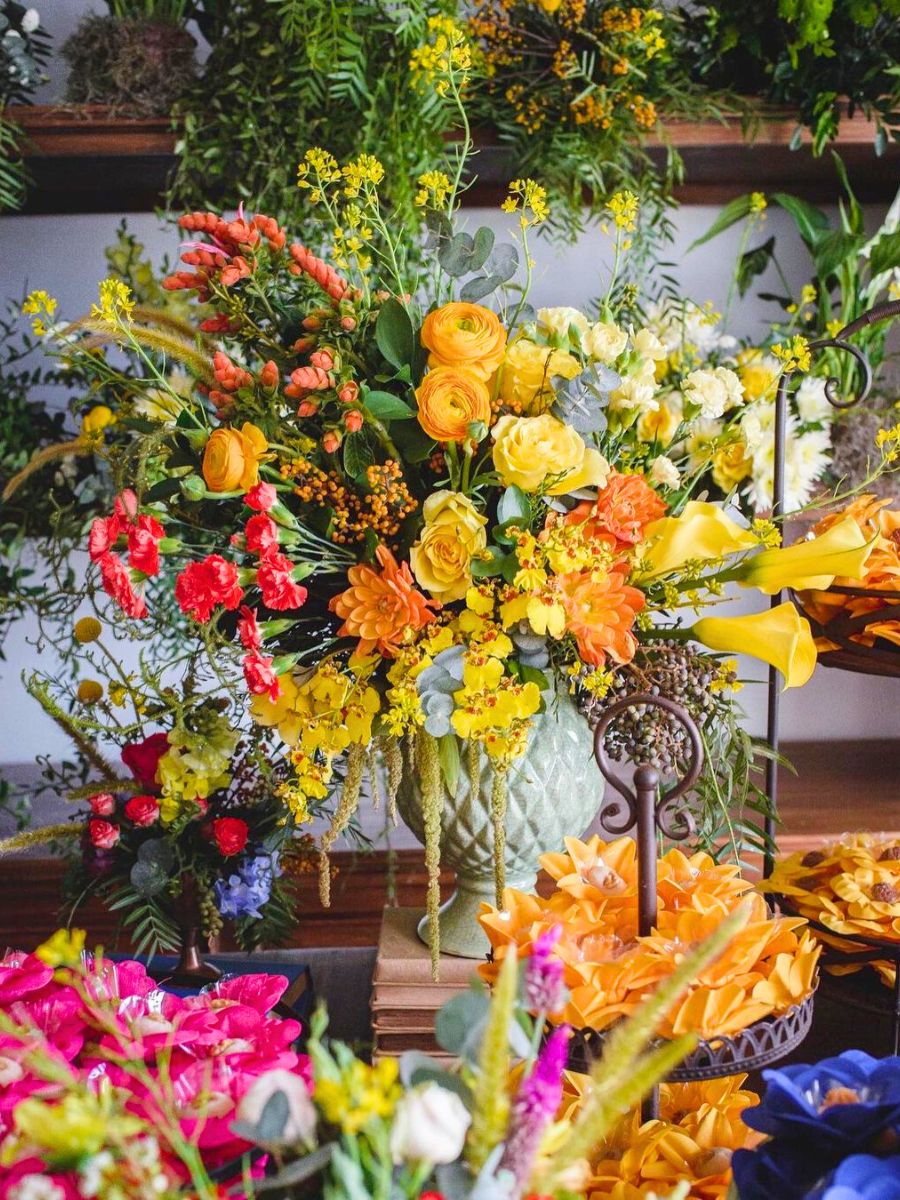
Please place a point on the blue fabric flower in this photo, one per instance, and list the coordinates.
(864, 1177)
(244, 893)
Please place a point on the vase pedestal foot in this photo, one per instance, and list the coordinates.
(461, 932)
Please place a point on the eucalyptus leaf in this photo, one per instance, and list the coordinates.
(484, 567)
(294, 1173)
(273, 1119)
(460, 1023)
(480, 286)
(513, 504)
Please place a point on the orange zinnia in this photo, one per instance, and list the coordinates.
(600, 613)
(623, 509)
(379, 608)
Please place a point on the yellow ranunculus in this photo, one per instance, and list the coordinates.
(702, 531)
(453, 535)
(842, 550)
(779, 636)
(464, 335)
(730, 465)
(232, 457)
(527, 371)
(450, 399)
(530, 450)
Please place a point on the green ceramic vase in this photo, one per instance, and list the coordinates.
(553, 791)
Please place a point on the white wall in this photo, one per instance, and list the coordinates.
(65, 255)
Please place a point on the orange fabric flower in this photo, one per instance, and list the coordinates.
(450, 399)
(381, 608)
(600, 613)
(623, 508)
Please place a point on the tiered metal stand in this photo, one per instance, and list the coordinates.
(652, 810)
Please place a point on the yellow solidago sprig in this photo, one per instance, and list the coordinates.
(888, 442)
(354, 1095)
(794, 355)
(529, 199)
(39, 305)
(434, 189)
(116, 303)
(445, 60)
(622, 207)
(317, 172)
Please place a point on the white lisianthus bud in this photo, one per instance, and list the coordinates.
(605, 341)
(430, 1126)
(664, 472)
(560, 320)
(301, 1121)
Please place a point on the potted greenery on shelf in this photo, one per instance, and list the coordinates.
(23, 50)
(138, 60)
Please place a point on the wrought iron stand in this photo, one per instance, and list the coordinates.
(655, 811)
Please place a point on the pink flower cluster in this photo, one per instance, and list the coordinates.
(217, 1044)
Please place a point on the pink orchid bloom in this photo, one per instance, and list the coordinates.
(21, 974)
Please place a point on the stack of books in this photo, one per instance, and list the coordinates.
(405, 999)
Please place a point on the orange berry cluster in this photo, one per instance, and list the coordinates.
(381, 509)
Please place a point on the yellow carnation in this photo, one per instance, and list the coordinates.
(454, 533)
(542, 454)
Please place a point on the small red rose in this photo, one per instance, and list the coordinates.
(102, 805)
(142, 758)
(230, 835)
(103, 834)
(142, 810)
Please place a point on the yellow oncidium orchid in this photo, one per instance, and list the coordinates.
(779, 636)
(842, 550)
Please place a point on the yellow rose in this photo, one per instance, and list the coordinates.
(232, 457)
(464, 335)
(453, 535)
(529, 450)
(526, 373)
(730, 465)
(662, 424)
(449, 400)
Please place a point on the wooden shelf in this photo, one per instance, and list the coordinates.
(82, 159)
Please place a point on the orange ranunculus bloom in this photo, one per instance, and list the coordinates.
(623, 509)
(450, 399)
(600, 613)
(380, 608)
(464, 335)
(232, 457)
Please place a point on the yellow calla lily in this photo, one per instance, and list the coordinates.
(702, 531)
(779, 636)
(842, 550)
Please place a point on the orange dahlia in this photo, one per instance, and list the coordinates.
(600, 614)
(380, 607)
(623, 509)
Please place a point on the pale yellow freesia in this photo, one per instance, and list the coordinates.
(779, 636)
(701, 532)
(842, 550)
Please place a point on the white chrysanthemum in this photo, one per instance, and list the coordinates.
(664, 472)
(812, 403)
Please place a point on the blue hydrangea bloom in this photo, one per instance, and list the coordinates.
(864, 1177)
(245, 892)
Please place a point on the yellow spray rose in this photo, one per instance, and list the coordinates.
(450, 399)
(731, 465)
(701, 532)
(464, 335)
(842, 550)
(529, 450)
(453, 535)
(232, 457)
(779, 636)
(527, 371)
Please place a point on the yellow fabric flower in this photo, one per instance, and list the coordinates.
(453, 535)
(464, 335)
(541, 454)
(525, 381)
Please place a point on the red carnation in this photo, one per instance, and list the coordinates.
(230, 835)
(261, 533)
(143, 544)
(125, 507)
(117, 583)
(203, 585)
(103, 536)
(142, 758)
(261, 497)
(275, 581)
(261, 679)
(102, 805)
(103, 834)
(142, 810)
(248, 629)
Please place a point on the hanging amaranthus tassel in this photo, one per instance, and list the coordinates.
(347, 805)
(392, 756)
(432, 810)
(498, 821)
(472, 766)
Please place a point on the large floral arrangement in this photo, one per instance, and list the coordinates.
(111, 1088)
(851, 886)
(409, 520)
(589, 924)
(110, 1082)
(831, 1132)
